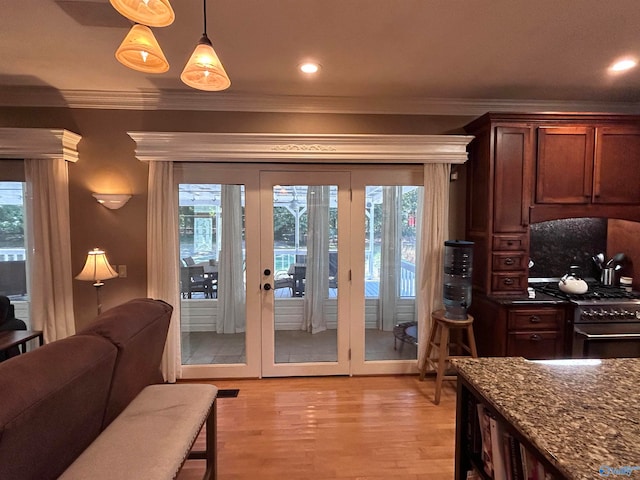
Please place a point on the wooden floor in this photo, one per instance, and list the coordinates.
(358, 428)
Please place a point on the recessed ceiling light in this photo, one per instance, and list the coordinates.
(309, 67)
(623, 65)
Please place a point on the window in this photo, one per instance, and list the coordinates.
(13, 277)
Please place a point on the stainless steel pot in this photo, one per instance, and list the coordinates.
(608, 276)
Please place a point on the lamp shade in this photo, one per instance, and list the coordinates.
(155, 13)
(97, 268)
(204, 71)
(140, 51)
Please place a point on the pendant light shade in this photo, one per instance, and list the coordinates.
(155, 13)
(204, 70)
(140, 50)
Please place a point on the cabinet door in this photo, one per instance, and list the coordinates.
(511, 197)
(617, 166)
(564, 165)
(535, 345)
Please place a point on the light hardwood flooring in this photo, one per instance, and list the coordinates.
(321, 428)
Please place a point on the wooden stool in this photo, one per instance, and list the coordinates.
(441, 329)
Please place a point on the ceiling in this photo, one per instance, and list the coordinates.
(377, 56)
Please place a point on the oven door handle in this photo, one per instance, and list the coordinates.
(607, 336)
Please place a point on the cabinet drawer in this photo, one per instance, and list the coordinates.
(550, 319)
(507, 262)
(509, 282)
(509, 242)
(535, 345)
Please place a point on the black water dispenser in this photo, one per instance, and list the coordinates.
(458, 266)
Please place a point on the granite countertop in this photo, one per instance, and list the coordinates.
(581, 417)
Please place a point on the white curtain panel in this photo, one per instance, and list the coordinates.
(434, 230)
(231, 290)
(317, 271)
(49, 248)
(162, 257)
(389, 257)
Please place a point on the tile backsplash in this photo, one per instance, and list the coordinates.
(558, 244)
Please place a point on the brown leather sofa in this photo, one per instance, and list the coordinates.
(57, 399)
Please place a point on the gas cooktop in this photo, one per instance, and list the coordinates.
(597, 293)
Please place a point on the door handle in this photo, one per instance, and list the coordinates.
(267, 286)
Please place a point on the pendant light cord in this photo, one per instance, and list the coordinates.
(204, 8)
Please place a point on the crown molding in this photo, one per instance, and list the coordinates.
(300, 148)
(39, 143)
(229, 101)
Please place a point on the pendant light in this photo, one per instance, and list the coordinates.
(140, 50)
(204, 70)
(155, 13)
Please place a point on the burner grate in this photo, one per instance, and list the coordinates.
(596, 291)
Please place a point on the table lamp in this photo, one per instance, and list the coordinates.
(96, 269)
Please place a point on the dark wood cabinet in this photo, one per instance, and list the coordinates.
(524, 330)
(617, 166)
(529, 168)
(588, 164)
(535, 332)
(498, 205)
(564, 165)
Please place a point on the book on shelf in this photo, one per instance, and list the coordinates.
(515, 461)
(486, 453)
(497, 449)
(473, 475)
(474, 441)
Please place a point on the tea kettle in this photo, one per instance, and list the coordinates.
(572, 283)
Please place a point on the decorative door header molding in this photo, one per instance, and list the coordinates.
(299, 148)
(39, 143)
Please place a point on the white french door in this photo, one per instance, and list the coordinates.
(304, 254)
(297, 278)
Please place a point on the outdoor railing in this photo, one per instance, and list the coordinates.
(284, 258)
(12, 254)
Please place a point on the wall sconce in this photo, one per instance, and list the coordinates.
(112, 201)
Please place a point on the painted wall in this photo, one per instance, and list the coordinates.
(107, 163)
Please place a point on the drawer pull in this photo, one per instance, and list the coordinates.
(534, 319)
(509, 261)
(509, 242)
(535, 337)
(508, 281)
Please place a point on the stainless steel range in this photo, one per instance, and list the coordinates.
(606, 320)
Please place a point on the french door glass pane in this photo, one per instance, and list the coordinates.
(212, 273)
(390, 274)
(13, 271)
(305, 241)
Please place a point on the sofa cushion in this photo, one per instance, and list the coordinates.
(52, 405)
(138, 328)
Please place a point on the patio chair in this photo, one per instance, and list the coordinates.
(281, 279)
(8, 321)
(333, 269)
(299, 276)
(193, 280)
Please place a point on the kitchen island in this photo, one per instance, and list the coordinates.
(580, 419)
